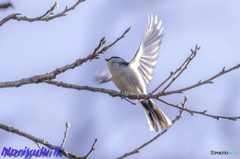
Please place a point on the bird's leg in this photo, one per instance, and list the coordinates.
(127, 99)
(123, 93)
(122, 97)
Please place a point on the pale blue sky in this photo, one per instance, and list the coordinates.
(29, 49)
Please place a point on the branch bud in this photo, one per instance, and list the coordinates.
(224, 68)
(185, 98)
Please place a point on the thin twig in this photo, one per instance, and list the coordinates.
(45, 17)
(38, 145)
(200, 82)
(160, 134)
(93, 148)
(194, 53)
(173, 73)
(198, 112)
(50, 11)
(181, 111)
(109, 46)
(41, 148)
(129, 101)
(65, 134)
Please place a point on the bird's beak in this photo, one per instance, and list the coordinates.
(107, 60)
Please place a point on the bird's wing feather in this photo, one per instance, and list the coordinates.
(146, 57)
(102, 77)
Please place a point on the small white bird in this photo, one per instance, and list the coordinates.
(133, 77)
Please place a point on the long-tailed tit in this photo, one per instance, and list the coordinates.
(133, 77)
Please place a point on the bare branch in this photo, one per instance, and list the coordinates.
(130, 96)
(109, 46)
(173, 73)
(156, 137)
(65, 134)
(38, 145)
(5, 5)
(200, 82)
(45, 17)
(53, 74)
(112, 93)
(93, 148)
(199, 112)
(50, 11)
(43, 142)
(189, 59)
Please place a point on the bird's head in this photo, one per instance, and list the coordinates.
(116, 62)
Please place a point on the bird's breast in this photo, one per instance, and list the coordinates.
(127, 80)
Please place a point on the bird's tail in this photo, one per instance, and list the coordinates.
(155, 116)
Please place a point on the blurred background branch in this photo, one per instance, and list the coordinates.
(5, 5)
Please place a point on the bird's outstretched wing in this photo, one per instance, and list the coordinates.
(102, 77)
(146, 57)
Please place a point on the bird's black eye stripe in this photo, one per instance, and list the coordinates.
(124, 63)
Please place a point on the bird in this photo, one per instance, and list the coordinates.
(133, 77)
